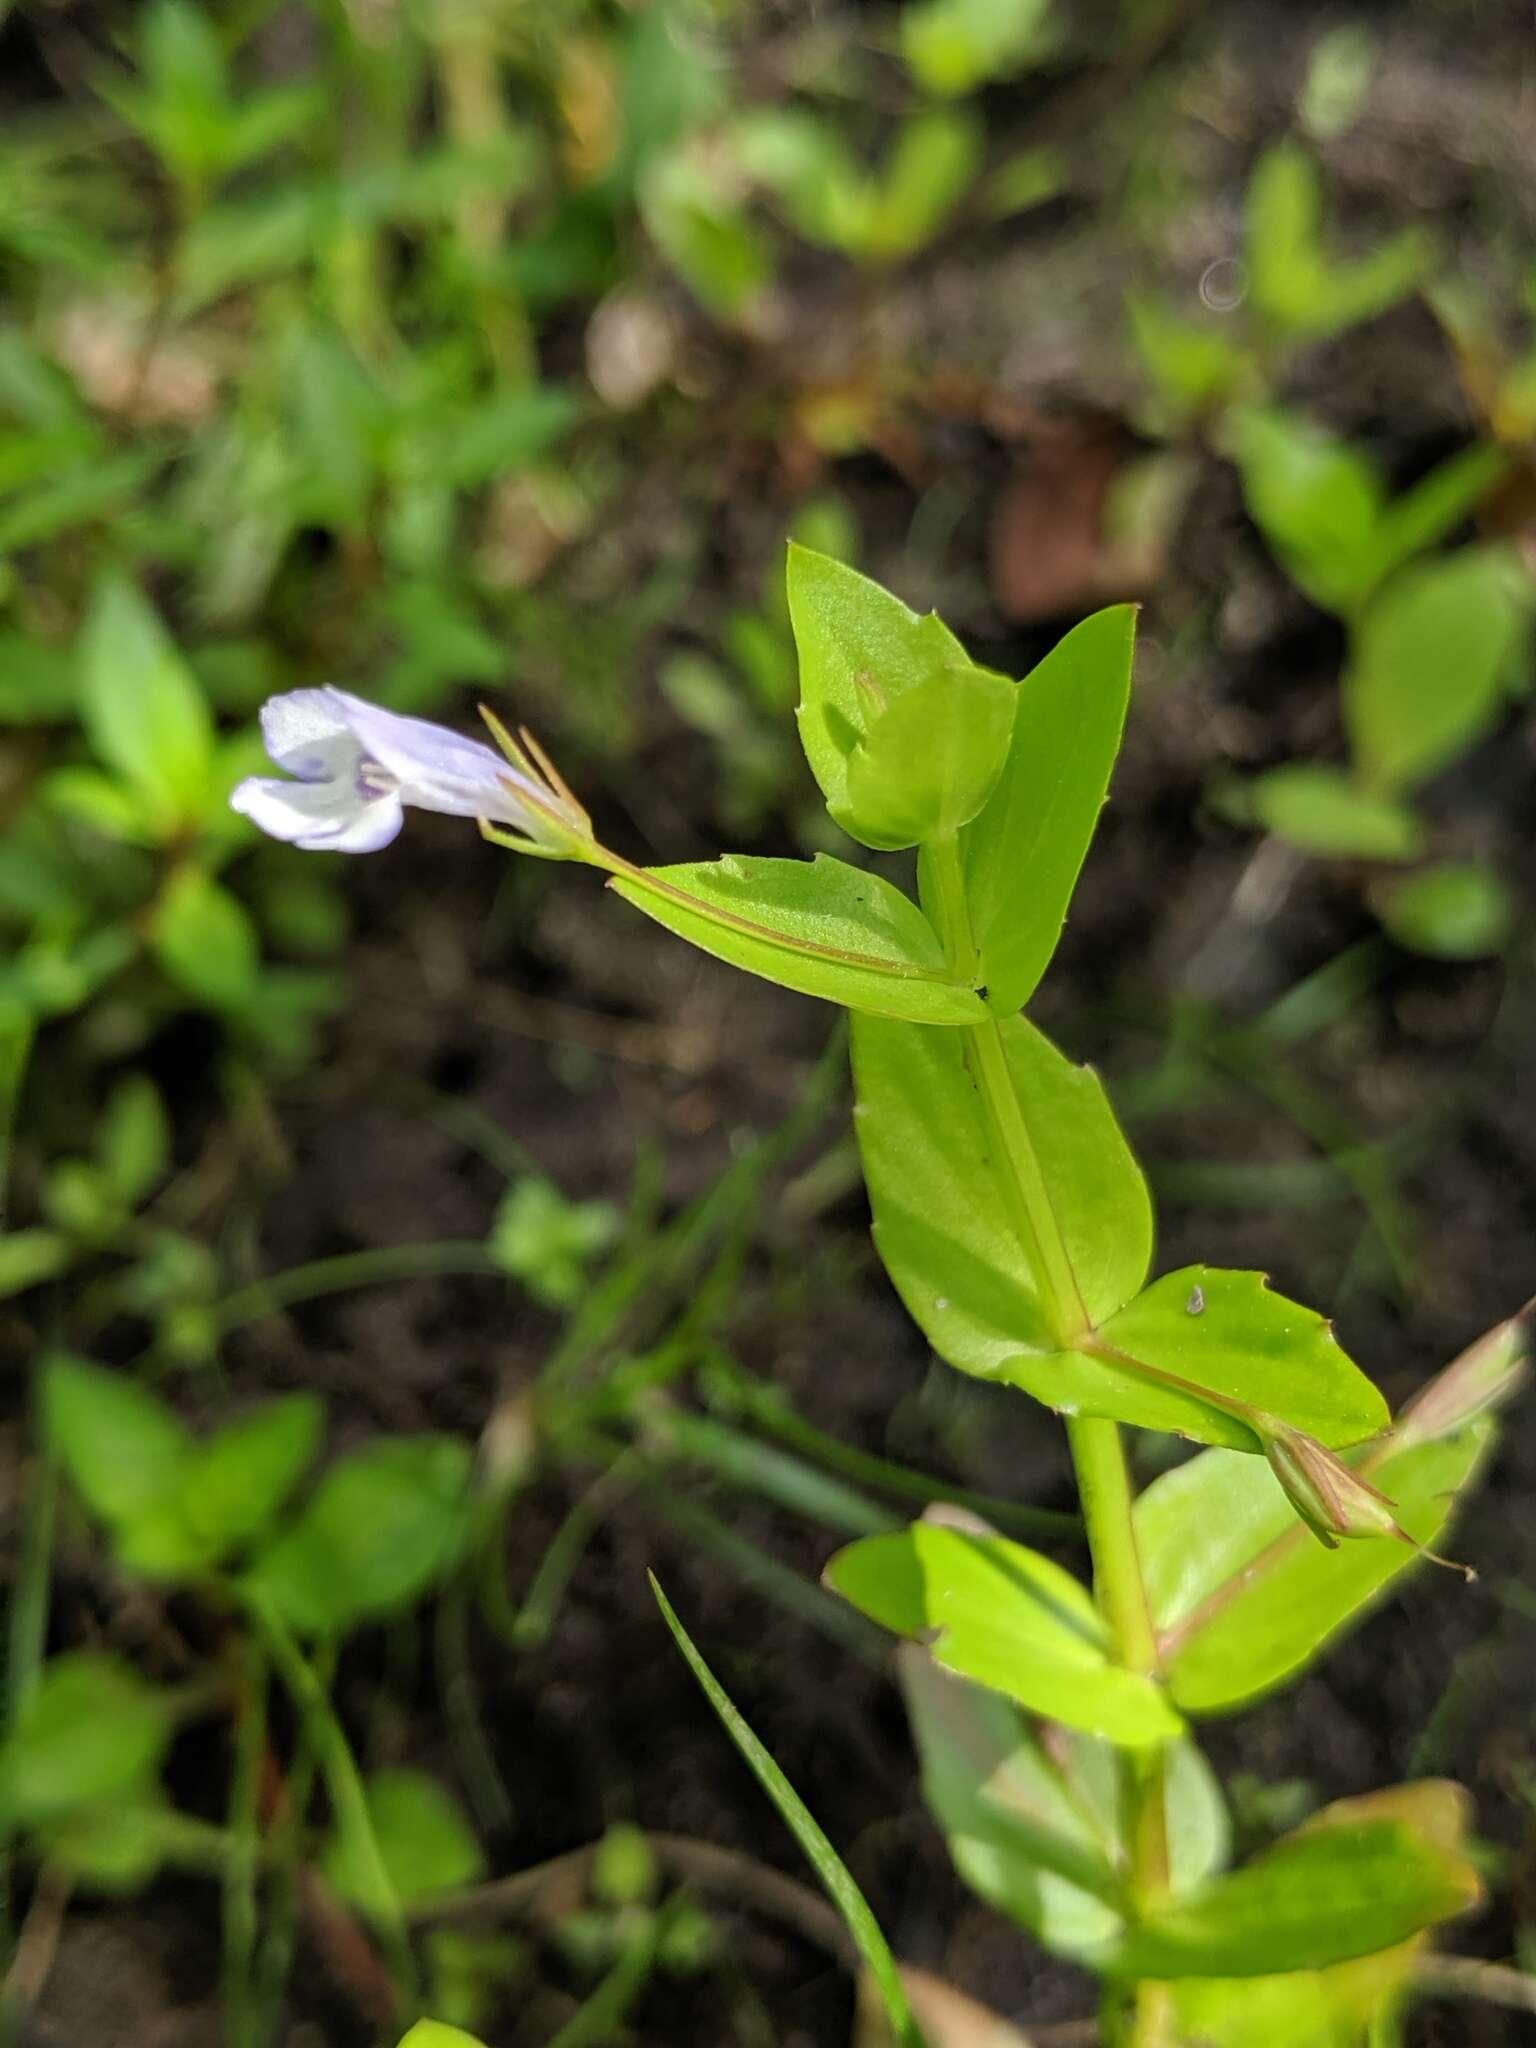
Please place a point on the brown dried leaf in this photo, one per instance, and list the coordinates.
(1085, 522)
(948, 2018)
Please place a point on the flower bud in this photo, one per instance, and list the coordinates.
(1330, 1498)
(1486, 1375)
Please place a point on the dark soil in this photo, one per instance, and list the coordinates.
(589, 1038)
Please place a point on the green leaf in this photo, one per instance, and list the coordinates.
(51, 978)
(1200, 1347)
(931, 759)
(1025, 178)
(423, 1839)
(1354, 292)
(1199, 1828)
(1336, 2008)
(1427, 670)
(953, 46)
(505, 435)
(1007, 1618)
(1295, 286)
(433, 2034)
(1318, 502)
(95, 489)
(818, 926)
(143, 712)
(1458, 910)
(1034, 1827)
(337, 430)
(1019, 1828)
(1322, 810)
(1320, 1896)
(174, 1506)
(1241, 1593)
(1022, 855)
(547, 1242)
(122, 1448)
(242, 241)
(91, 1730)
(205, 940)
(116, 1846)
(383, 1526)
(102, 804)
(1340, 67)
(819, 1852)
(37, 682)
(940, 1203)
(130, 1459)
(805, 162)
(1194, 368)
(265, 120)
(1266, 2012)
(182, 58)
(160, 1543)
(28, 1257)
(933, 163)
(624, 1870)
(133, 1140)
(1350, 2002)
(1430, 510)
(235, 1484)
(1284, 209)
(705, 233)
(860, 649)
(77, 1200)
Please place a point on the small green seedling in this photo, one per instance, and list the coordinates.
(1438, 644)
(1299, 289)
(953, 47)
(549, 1243)
(1288, 290)
(1325, 512)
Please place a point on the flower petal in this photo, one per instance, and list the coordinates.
(437, 770)
(308, 733)
(321, 817)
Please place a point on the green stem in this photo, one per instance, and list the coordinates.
(940, 871)
(461, 1707)
(15, 1052)
(242, 1864)
(27, 1635)
(350, 1270)
(1024, 1187)
(1097, 1450)
(349, 1798)
(25, 1645)
(1104, 1484)
(1029, 1197)
(599, 2019)
(375, 1266)
(768, 1409)
(284, 1850)
(475, 113)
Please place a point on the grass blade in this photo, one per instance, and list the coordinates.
(824, 1859)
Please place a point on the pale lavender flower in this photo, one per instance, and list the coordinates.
(355, 768)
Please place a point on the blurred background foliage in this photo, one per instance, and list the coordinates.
(342, 340)
(463, 350)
